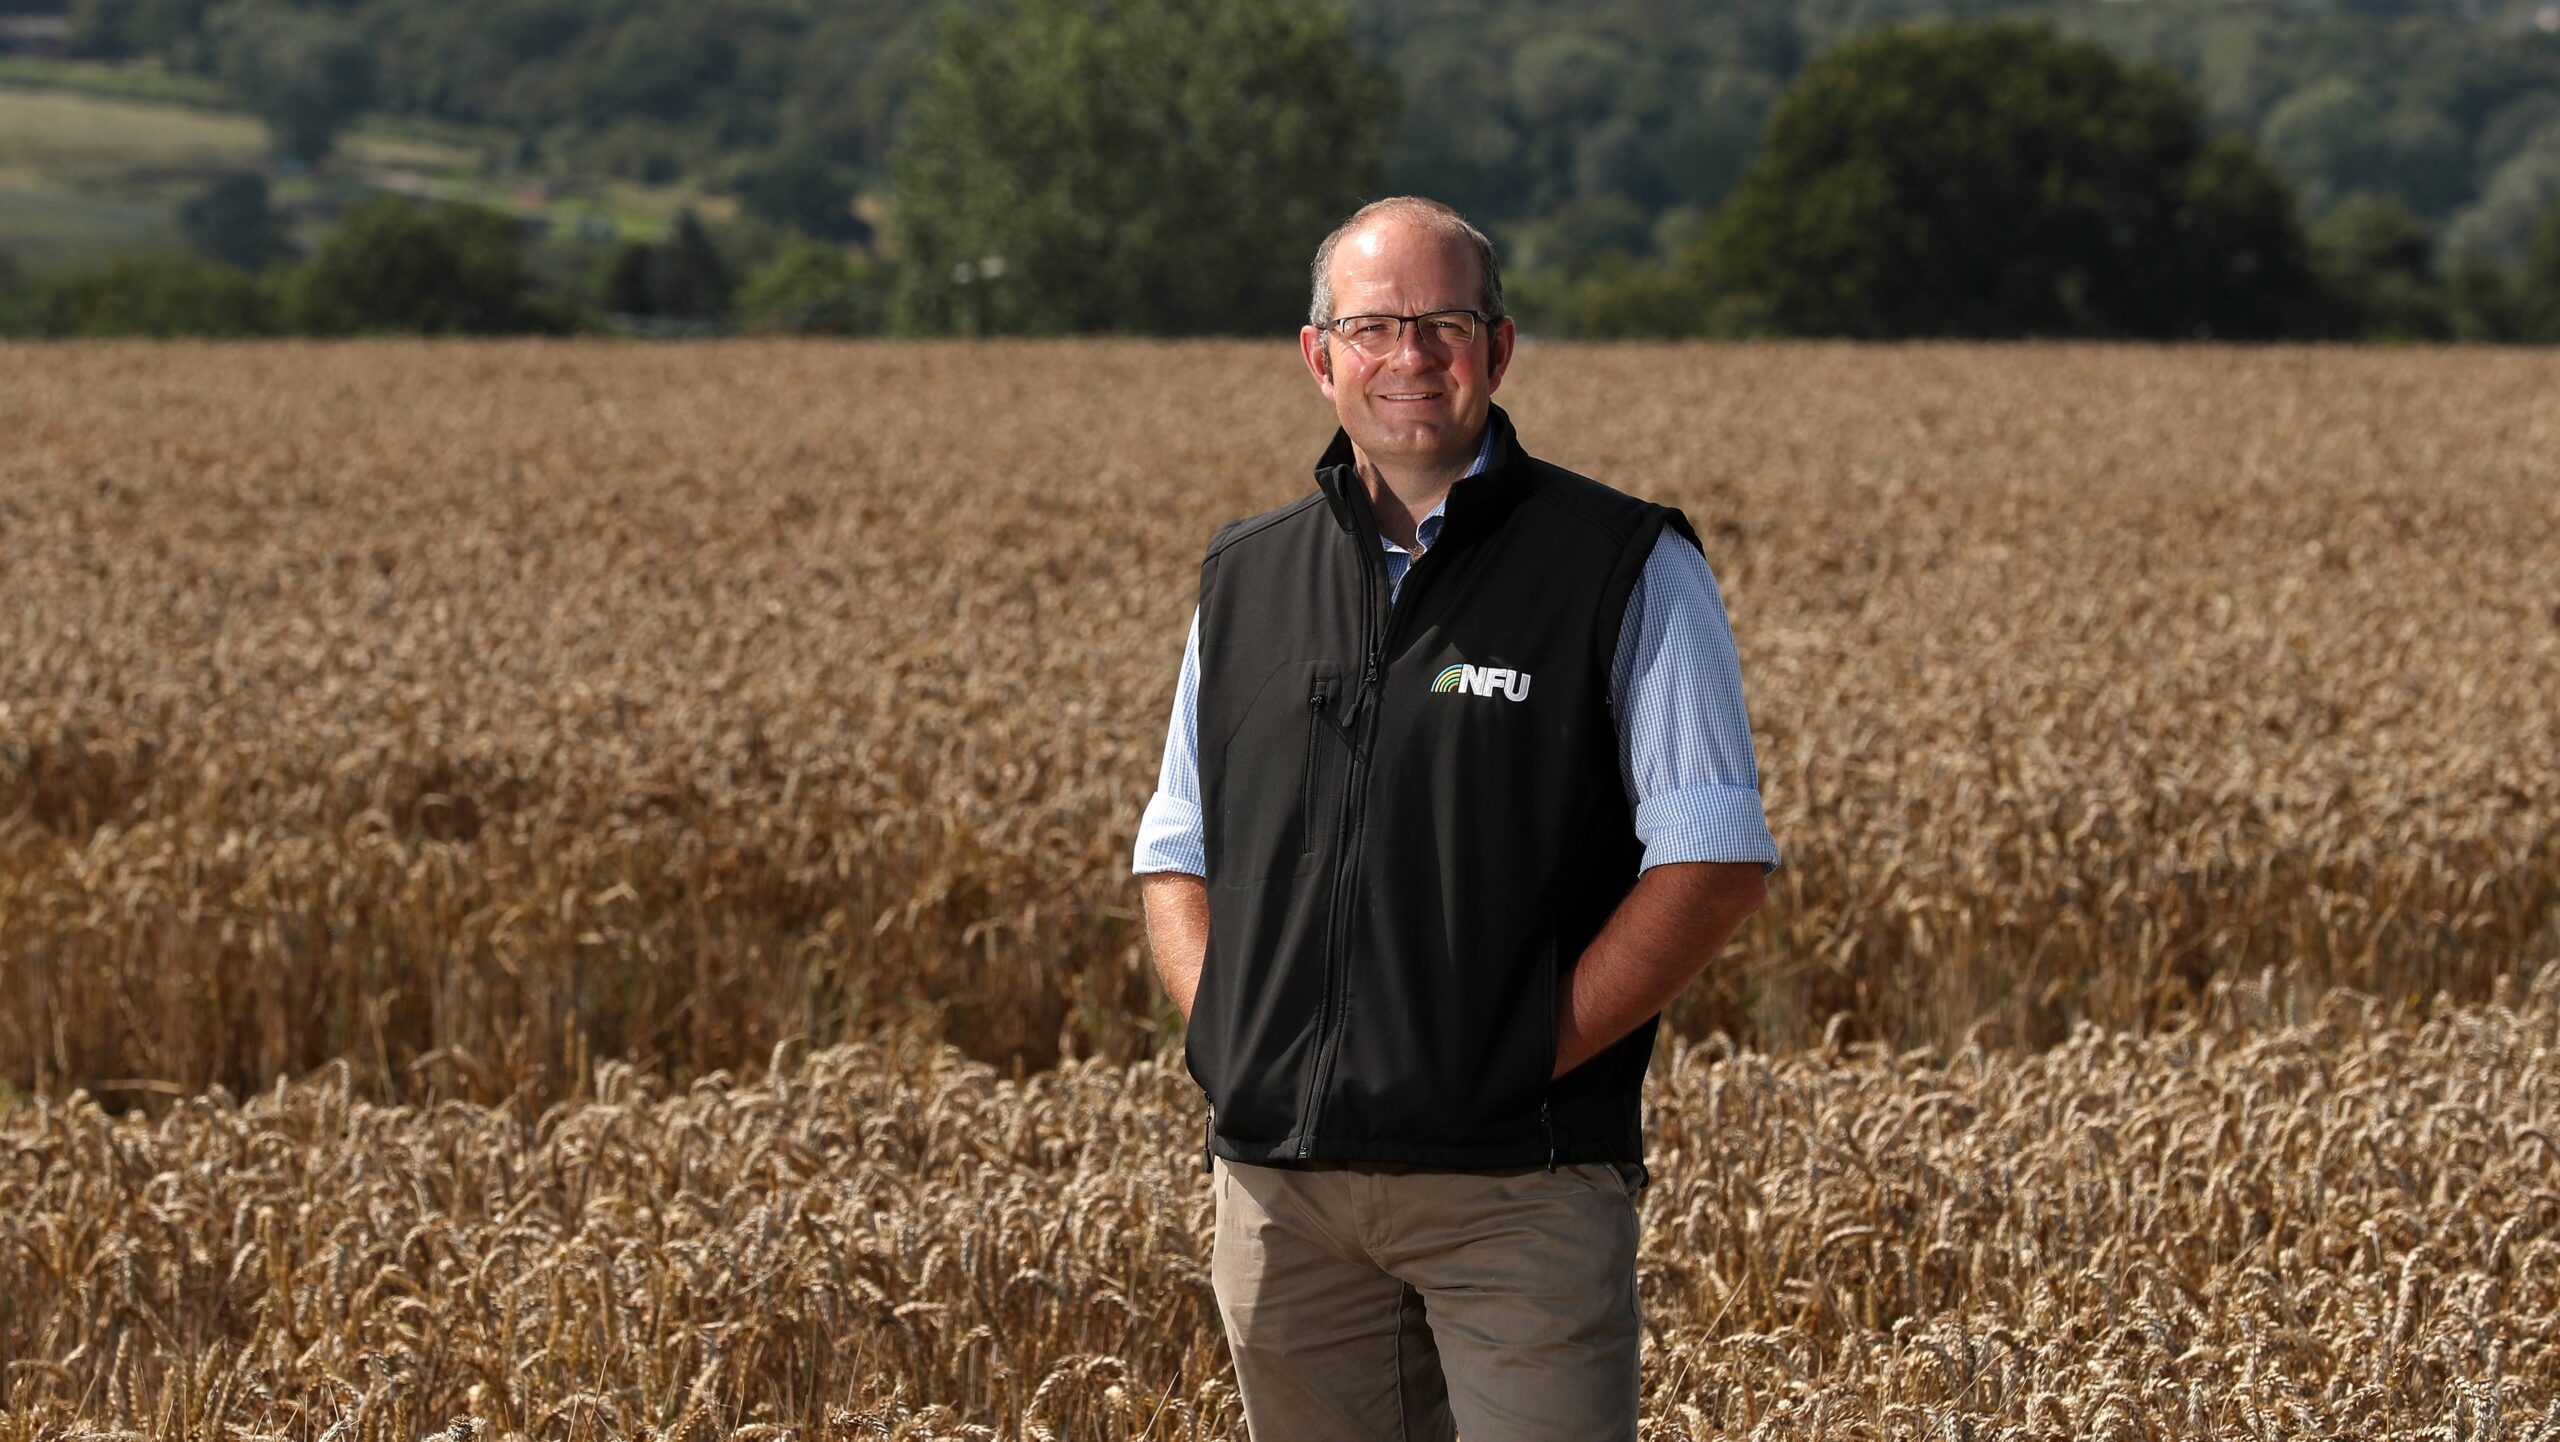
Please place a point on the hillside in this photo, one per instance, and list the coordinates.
(1577, 132)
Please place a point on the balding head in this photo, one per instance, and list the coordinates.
(1424, 214)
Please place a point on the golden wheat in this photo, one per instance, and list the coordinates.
(2281, 1218)
(477, 712)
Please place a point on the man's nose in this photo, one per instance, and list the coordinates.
(1412, 348)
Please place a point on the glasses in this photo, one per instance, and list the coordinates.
(1377, 335)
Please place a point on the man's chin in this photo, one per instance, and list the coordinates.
(1417, 440)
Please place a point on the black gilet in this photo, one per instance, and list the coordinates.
(1415, 821)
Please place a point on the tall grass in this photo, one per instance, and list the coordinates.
(476, 713)
(2280, 1218)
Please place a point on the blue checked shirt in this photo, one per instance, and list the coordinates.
(1675, 690)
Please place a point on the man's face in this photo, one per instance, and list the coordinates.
(1424, 400)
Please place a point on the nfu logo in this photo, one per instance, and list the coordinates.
(1482, 681)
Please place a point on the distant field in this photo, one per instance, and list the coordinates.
(90, 167)
(472, 712)
(132, 80)
(47, 230)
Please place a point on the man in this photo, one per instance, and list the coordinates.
(1458, 792)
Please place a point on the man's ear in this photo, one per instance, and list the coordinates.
(1504, 334)
(1319, 360)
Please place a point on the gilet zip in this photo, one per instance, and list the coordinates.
(1379, 635)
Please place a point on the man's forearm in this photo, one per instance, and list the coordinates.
(1662, 935)
(1177, 931)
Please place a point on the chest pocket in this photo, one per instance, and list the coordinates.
(1286, 764)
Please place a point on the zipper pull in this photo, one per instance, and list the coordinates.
(1208, 1135)
(1547, 1124)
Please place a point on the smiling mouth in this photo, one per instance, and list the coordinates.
(1410, 396)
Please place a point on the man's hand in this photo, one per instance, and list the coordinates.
(1679, 915)
(1178, 931)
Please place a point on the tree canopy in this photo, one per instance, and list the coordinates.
(233, 221)
(1132, 165)
(1999, 180)
(306, 73)
(1149, 164)
(396, 267)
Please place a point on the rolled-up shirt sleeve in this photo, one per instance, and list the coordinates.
(1170, 837)
(1684, 739)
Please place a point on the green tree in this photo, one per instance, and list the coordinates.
(2334, 139)
(116, 29)
(2540, 301)
(626, 281)
(683, 278)
(1997, 180)
(2327, 137)
(158, 296)
(2379, 259)
(688, 278)
(814, 289)
(803, 188)
(2483, 301)
(2241, 267)
(2499, 226)
(392, 267)
(306, 73)
(20, 301)
(1155, 166)
(232, 221)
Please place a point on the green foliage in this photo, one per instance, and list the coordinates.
(2239, 266)
(2334, 138)
(815, 289)
(1637, 301)
(2540, 285)
(2378, 257)
(806, 189)
(2516, 128)
(116, 29)
(306, 73)
(682, 278)
(688, 279)
(625, 287)
(659, 88)
(392, 267)
(233, 222)
(21, 304)
(2483, 301)
(158, 296)
(1137, 165)
(2499, 228)
(2001, 181)
(1582, 234)
(1592, 139)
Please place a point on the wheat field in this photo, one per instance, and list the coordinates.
(472, 713)
(2282, 1218)
(578, 890)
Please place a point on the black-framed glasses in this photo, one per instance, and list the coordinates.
(1377, 335)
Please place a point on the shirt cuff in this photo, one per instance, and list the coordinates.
(1710, 822)
(1169, 837)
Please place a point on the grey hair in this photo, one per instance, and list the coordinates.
(1431, 215)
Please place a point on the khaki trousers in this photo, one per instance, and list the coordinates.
(1381, 1302)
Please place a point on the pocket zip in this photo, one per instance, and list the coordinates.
(1307, 776)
